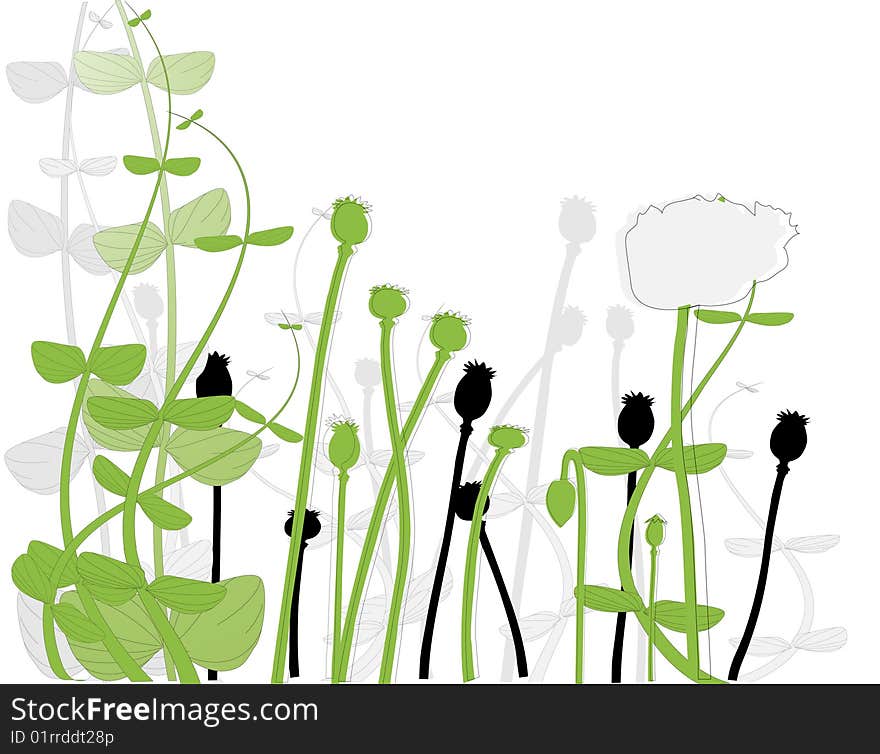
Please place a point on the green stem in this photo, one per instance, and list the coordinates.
(374, 529)
(573, 459)
(170, 639)
(404, 532)
(470, 565)
(340, 563)
(51, 644)
(652, 613)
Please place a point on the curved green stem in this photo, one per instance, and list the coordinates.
(374, 528)
(340, 563)
(470, 565)
(573, 459)
(404, 532)
(170, 639)
(51, 644)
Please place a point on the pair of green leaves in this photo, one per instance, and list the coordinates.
(115, 412)
(270, 237)
(767, 319)
(145, 16)
(668, 613)
(698, 459)
(109, 73)
(181, 166)
(32, 572)
(58, 362)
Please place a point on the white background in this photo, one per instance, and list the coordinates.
(464, 125)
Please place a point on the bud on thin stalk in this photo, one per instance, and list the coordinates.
(311, 529)
(654, 535)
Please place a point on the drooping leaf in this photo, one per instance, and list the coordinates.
(115, 245)
(187, 71)
(674, 616)
(217, 243)
(698, 459)
(770, 319)
(200, 413)
(34, 232)
(112, 439)
(122, 413)
(75, 625)
(57, 362)
(248, 413)
(206, 215)
(610, 600)
(36, 82)
(140, 165)
(223, 637)
(182, 166)
(270, 237)
(715, 317)
(81, 247)
(614, 461)
(36, 463)
(164, 514)
(186, 595)
(30, 579)
(190, 447)
(106, 72)
(284, 433)
(99, 570)
(46, 557)
(110, 476)
(119, 365)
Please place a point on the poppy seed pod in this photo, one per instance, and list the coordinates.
(466, 500)
(388, 301)
(214, 379)
(635, 423)
(655, 532)
(789, 437)
(473, 394)
(350, 222)
(577, 220)
(561, 499)
(449, 331)
(311, 525)
(507, 437)
(344, 447)
(570, 326)
(367, 373)
(619, 323)
(147, 301)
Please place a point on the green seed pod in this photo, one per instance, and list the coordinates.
(561, 498)
(350, 222)
(655, 533)
(344, 447)
(388, 301)
(507, 437)
(449, 331)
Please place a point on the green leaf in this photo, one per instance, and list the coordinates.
(75, 625)
(164, 514)
(698, 459)
(610, 600)
(119, 365)
(271, 237)
(217, 243)
(129, 623)
(132, 22)
(112, 439)
(187, 71)
(122, 413)
(614, 461)
(246, 412)
(100, 571)
(284, 433)
(145, 16)
(186, 595)
(715, 317)
(106, 72)
(770, 319)
(110, 476)
(674, 616)
(182, 166)
(189, 121)
(57, 362)
(561, 500)
(223, 637)
(46, 557)
(112, 595)
(285, 326)
(200, 413)
(30, 579)
(140, 165)
(190, 447)
(206, 215)
(115, 245)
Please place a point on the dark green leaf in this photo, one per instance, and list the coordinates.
(246, 412)
(271, 237)
(112, 595)
(115, 245)
(119, 365)
(217, 243)
(112, 439)
(183, 125)
(145, 16)
(99, 570)
(164, 514)
(189, 448)
(76, 625)
(182, 166)
(122, 413)
(187, 71)
(610, 600)
(110, 476)
(698, 459)
(200, 413)
(614, 461)
(140, 165)
(186, 595)
(132, 22)
(206, 215)
(770, 319)
(57, 362)
(30, 579)
(714, 317)
(284, 433)
(46, 557)
(674, 616)
(106, 72)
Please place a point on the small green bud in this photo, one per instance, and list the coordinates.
(507, 437)
(561, 499)
(449, 331)
(388, 301)
(350, 222)
(344, 447)
(656, 531)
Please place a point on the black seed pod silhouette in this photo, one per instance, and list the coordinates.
(473, 394)
(789, 437)
(214, 379)
(635, 423)
(311, 525)
(466, 500)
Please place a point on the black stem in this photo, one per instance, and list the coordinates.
(518, 644)
(215, 559)
(620, 628)
(781, 471)
(431, 618)
(293, 658)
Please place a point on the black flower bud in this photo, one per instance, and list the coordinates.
(473, 394)
(789, 437)
(214, 379)
(466, 500)
(311, 525)
(635, 423)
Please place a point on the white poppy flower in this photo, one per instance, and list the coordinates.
(705, 252)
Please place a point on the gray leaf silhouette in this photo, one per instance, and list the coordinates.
(56, 168)
(503, 503)
(359, 521)
(419, 595)
(34, 232)
(370, 623)
(533, 626)
(764, 646)
(30, 622)
(567, 609)
(739, 454)
(36, 82)
(325, 536)
(818, 543)
(82, 249)
(192, 561)
(748, 547)
(98, 166)
(823, 640)
(36, 463)
(269, 450)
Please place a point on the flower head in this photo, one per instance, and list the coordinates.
(465, 501)
(570, 326)
(655, 532)
(619, 323)
(508, 437)
(388, 301)
(789, 437)
(147, 301)
(705, 252)
(311, 525)
(344, 447)
(577, 220)
(635, 423)
(449, 331)
(473, 394)
(215, 378)
(350, 221)
(367, 372)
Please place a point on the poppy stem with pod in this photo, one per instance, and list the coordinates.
(311, 528)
